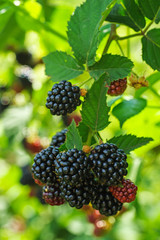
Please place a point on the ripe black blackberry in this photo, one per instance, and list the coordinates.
(105, 202)
(63, 98)
(72, 166)
(51, 194)
(108, 163)
(26, 178)
(59, 138)
(24, 57)
(76, 196)
(43, 167)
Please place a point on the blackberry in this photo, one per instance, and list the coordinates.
(51, 194)
(127, 193)
(76, 196)
(63, 98)
(117, 87)
(72, 166)
(105, 202)
(26, 178)
(25, 77)
(43, 166)
(24, 57)
(108, 163)
(59, 138)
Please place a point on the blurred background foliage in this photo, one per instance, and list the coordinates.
(36, 28)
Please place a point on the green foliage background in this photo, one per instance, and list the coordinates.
(40, 26)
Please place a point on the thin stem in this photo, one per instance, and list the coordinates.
(89, 139)
(120, 48)
(111, 37)
(81, 84)
(152, 89)
(129, 36)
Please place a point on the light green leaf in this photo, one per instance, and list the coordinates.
(73, 139)
(61, 66)
(114, 67)
(5, 14)
(150, 8)
(134, 13)
(127, 109)
(129, 142)
(94, 109)
(151, 48)
(83, 29)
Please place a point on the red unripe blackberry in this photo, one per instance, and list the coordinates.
(105, 202)
(63, 98)
(43, 167)
(117, 87)
(51, 194)
(108, 163)
(34, 146)
(59, 138)
(76, 196)
(72, 166)
(67, 119)
(127, 193)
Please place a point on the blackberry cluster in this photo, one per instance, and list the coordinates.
(43, 166)
(76, 196)
(117, 87)
(105, 202)
(127, 193)
(59, 138)
(24, 57)
(51, 194)
(63, 98)
(108, 163)
(26, 178)
(72, 166)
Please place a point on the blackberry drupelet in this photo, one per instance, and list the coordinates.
(108, 163)
(59, 138)
(72, 166)
(127, 193)
(63, 98)
(76, 196)
(51, 194)
(105, 202)
(43, 167)
(26, 178)
(117, 87)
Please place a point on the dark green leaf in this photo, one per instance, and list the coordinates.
(5, 14)
(63, 148)
(83, 29)
(129, 142)
(114, 66)
(134, 13)
(61, 66)
(94, 109)
(151, 48)
(149, 8)
(84, 131)
(128, 109)
(119, 15)
(73, 139)
(152, 79)
(104, 30)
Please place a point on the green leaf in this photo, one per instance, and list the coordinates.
(119, 15)
(114, 66)
(152, 79)
(5, 14)
(84, 131)
(61, 66)
(134, 13)
(63, 148)
(149, 8)
(73, 139)
(83, 29)
(104, 31)
(94, 109)
(128, 109)
(151, 48)
(129, 142)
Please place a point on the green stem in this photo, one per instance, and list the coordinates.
(111, 38)
(89, 139)
(129, 36)
(152, 89)
(120, 47)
